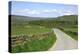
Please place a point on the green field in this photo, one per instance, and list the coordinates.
(28, 29)
(73, 32)
(36, 45)
(33, 45)
(69, 24)
(36, 28)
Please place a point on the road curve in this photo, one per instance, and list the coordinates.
(64, 41)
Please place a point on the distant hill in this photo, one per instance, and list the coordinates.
(64, 18)
(59, 21)
(27, 18)
(18, 19)
(68, 18)
(24, 18)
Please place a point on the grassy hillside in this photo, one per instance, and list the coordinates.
(67, 23)
(68, 18)
(23, 19)
(28, 29)
(48, 22)
(57, 22)
(21, 25)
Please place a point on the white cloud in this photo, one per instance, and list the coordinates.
(33, 12)
(28, 11)
(23, 11)
(55, 10)
(48, 11)
(67, 13)
(38, 12)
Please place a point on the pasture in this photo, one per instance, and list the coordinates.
(37, 35)
(37, 38)
(28, 29)
(73, 32)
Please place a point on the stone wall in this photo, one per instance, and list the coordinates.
(22, 39)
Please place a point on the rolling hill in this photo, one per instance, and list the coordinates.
(39, 20)
(68, 18)
(24, 18)
(59, 21)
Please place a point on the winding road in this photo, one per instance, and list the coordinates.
(63, 42)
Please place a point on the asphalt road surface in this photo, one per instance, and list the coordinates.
(64, 41)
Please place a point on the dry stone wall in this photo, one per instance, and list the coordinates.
(22, 39)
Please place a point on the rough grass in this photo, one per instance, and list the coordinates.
(28, 29)
(36, 45)
(72, 32)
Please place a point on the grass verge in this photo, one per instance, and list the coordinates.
(36, 45)
(72, 32)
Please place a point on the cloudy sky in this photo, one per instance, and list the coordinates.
(42, 9)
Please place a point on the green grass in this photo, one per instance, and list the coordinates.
(28, 29)
(33, 45)
(72, 32)
(36, 45)
(43, 26)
